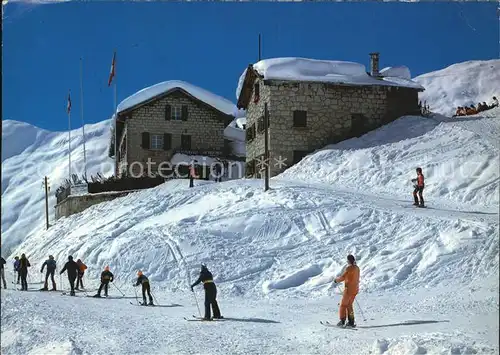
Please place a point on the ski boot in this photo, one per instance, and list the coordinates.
(44, 289)
(97, 296)
(219, 317)
(150, 303)
(341, 323)
(350, 322)
(72, 293)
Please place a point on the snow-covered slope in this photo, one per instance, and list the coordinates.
(459, 158)
(461, 84)
(28, 154)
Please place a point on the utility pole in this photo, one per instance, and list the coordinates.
(45, 183)
(266, 147)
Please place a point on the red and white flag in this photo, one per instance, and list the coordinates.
(68, 108)
(112, 71)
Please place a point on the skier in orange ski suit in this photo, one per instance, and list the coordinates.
(351, 288)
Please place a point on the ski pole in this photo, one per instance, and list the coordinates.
(360, 310)
(136, 298)
(156, 301)
(118, 289)
(194, 295)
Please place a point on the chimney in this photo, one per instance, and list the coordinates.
(374, 58)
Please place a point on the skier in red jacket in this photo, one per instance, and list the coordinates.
(419, 188)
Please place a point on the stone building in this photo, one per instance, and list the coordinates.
(169, 118)
(314, 103)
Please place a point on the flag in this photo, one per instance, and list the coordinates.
(112, 71)
(69, 103)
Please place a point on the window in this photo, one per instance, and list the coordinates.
(156, 141)
(250, 168)
(256, 91)
(298, 155)
(185, 142)
(260, 124)
(299, 118)
(176, 113)
(250, 133)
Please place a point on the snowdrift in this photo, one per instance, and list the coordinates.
(459, 158)
(30, 153)
(461, 84)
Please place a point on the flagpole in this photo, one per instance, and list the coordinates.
(83, 122)
(115, 108)
(69, 136)
(116, 132)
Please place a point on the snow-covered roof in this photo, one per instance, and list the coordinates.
(218, 102)
(400, 71)
(327, 71)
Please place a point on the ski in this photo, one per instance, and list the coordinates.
(328, 324)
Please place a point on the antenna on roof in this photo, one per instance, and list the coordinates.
(259, 49)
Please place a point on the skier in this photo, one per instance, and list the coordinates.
(419, 188)
(24, 264)
(218, 170)
(350, 276)
(72, 268)
(81, 271)
(192, 173)
(210, 293)
(144, 281)
(51, 269)
(106, 278)
(2, 263)
(17, 263)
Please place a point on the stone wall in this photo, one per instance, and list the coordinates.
(77, 204)
(204, 124)
(255, 111)
(334, 113)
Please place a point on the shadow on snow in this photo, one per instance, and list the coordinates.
(410, 322)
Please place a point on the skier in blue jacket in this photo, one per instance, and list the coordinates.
(51, 269)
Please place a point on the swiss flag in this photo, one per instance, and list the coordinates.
(68, 108)
(112, 71)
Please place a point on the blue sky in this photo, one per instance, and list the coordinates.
(210, 44)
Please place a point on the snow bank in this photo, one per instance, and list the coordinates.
(328, 71)
(461, 84)
(209, 98)
(460, 160)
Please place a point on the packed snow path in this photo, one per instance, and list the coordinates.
(434, 320)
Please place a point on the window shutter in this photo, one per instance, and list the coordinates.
(145, 140)
(167, 141)
(168, 113)
(184, 115)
